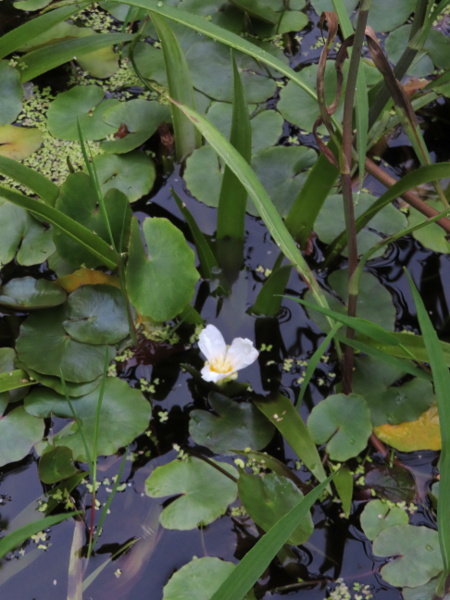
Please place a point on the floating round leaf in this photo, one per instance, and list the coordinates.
(422, 434)
(96, 315)
(161, 283)
(133, 174)
(101, 63)
(29, 293)
(44, 346)
(124, 415)
(10, 93)
(19, 431)
(343, 423)
(206, 492)
(83, 104)
(73, 389)
(57, 464)
(19, 142)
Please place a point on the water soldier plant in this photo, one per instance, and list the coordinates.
(106, 106)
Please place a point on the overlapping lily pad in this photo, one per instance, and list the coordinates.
(10, 93)
(124, 414)
(133, 174)
(205, 492)
(19, 142)
(19, 431)
(77, 362)
(378, 515)
(28, 293)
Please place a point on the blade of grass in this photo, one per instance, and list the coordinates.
(233, 195)
(441, 378)
(256, 561)
(14, 39)
(280, 411)
(179, 86)
(33, 180)
(268, 301)
(75, 570)
(79, 233)
(17, 537)
(48, 57)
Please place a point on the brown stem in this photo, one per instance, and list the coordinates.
(410, 197)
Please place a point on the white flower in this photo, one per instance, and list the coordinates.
(222, 361)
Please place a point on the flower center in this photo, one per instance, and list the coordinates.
(221, 364)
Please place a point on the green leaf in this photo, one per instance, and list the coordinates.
(14, 539)
(10, 92)
(342, 423)
(96, 315)
(141, 118)
(133, 174)
(283, 415)
(378, 515)
(48, 57)
(28, 293)
(255, 562)
(77, 362)
(19, 142)
(29, 178)
(389, 402)
(268, 497)
(81, 104)
(179, 87)
(235, 426)
(56, 465)
(199, 579)
(160, 282)
(417, 551)
(19, 431)
(383, 18)
(268, 301)
(73, 389)
(124, 415)
(432, 236)
(205, 492)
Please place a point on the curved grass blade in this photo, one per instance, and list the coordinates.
(179, 86)
(17, 537)
(441, 379)
(34, 181)
(420, 176)
(261, 199)
(48, 57)
(256, 561)
(16, 38)
(280, 411)
(78, 232)
(270, 296)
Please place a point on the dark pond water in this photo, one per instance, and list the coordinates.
(337, 549)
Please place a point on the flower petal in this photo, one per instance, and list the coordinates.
(211, 343)
(242, 353)
(209, 375)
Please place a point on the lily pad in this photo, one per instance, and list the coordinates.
(124, 415)
(343, 423)
(378, 515)
(204, 492)
(28, 293)
(19, 142)
(78, 362)
(331, 221)
(396, 42)
(388, 402)
(96, 315)
(161, 281)
(269, 497)
(235, 426)
(23, 237)
(422, 434)
(73, 389)
(395, 483)
(432, 236)
(19, 431)
(56, 465)
(199, 580)
(10, 92)
(83, 104)
(383, 18)
(101, 63)
(417, 552)
(133, 174)
(84, 276)
(141, 119)
(78, 199)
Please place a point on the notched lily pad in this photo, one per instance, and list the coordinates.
(56, 465)
(378, 515)
(27, 293)
(235, 426)
(204, 492)
(78, 362)
(96, 315)
(422, 434)
(343, 423)
(417, 552)
(133, 174)
(394, 483)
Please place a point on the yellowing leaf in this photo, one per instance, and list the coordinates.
(84, 276)
(19, 142)
(422, 434)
